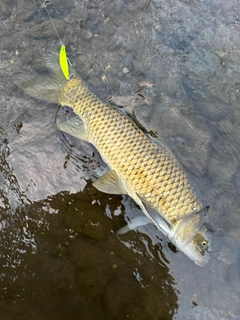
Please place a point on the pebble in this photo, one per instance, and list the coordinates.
(125, 70)
(86, 35)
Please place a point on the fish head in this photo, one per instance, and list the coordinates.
(193, 238)
(198, 248)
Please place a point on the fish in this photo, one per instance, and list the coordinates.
(139, 166)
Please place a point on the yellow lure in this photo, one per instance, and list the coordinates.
(63, 62)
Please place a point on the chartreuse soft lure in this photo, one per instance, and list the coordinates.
(63, 61)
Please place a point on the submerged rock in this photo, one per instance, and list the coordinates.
(89, 219)
(91, 281)
(86, 254)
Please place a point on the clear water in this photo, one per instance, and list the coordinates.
(176, 64)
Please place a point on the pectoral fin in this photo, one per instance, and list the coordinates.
(133, 224)
(159, 220)
(110, 182)
(74, 126)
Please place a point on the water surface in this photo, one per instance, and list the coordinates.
(176, 64)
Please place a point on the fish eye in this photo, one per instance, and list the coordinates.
(204, 244)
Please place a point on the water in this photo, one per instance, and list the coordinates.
(176, 64)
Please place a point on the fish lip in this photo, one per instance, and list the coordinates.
(202, 262)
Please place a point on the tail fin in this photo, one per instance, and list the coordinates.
(47, 88)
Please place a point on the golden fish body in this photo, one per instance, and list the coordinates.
(139, 167)
(145, 168)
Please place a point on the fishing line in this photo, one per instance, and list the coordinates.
(63, 60)
(44, 3)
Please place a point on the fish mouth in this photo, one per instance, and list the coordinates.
(202, 261)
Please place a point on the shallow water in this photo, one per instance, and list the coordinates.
(177, 65)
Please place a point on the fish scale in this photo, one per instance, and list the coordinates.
(139, 167)
(147, 169)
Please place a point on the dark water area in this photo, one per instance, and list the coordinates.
(177, 65)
